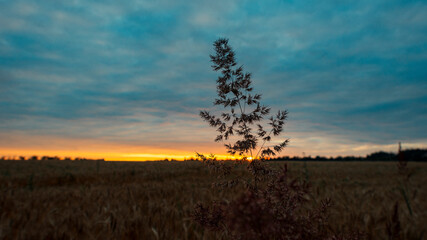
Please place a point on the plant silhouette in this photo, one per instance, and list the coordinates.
(272, 206)
(244, 112)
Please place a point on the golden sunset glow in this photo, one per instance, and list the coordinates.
(27, 146)
(107, 156)
(20, 144)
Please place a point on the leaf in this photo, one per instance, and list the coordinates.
(267, 138)
(218, 138)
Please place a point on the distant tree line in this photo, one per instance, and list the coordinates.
(47, 158)
(415, 155)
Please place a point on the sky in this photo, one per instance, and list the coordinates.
(126, 80)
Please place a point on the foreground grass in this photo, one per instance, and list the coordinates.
(155, 200)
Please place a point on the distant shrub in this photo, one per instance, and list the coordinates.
(381, 156)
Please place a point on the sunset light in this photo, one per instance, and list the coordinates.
(213, 119)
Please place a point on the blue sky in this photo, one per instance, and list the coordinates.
(134, 74)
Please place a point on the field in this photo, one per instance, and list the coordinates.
(155, 200)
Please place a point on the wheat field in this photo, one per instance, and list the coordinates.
(155, 200)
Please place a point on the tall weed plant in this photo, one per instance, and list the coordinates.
(272, 206)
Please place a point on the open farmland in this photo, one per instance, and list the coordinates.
(155, 200)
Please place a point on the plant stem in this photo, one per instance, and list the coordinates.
(263, 143)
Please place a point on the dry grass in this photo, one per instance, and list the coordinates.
(155, 200)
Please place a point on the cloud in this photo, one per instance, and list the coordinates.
(139, 71)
